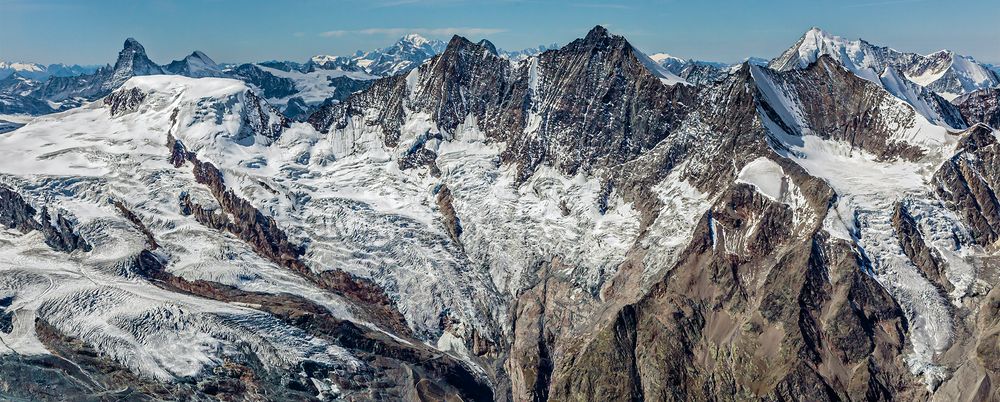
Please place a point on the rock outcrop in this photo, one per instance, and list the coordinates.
(968, 182)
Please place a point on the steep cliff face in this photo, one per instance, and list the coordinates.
(757, 307)
(570, 226)
(846, 337)
(968, 183)
(58, 231)
(601, 106)
(981, 107)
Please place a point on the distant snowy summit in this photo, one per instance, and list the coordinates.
(195, 65)
(407, 53)
(37, 71)
(945, 72)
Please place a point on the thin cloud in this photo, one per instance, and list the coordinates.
(613, 6)
(463, 31)
(398, 3)
(883, 3)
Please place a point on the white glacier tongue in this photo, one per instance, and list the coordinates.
(868, 190)
(93, 296)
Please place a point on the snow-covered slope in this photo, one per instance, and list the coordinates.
(404, 55)
(654, 67)
(480, 228)
(946, 73)
(42, 72)
(196, 65)
(120, 156)
(952, 75)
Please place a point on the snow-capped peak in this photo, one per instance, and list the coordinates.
(856, 55)
(197, 64)
(21, 66)
(132, 61)
(415, 40)
(660, 57)
(406, 53)
(943, 72)
(657, 69)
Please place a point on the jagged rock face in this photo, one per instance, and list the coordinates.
(759, 320)
(15, 83)
(702, 73)
(58, 231)
(539, 108)
(843, 108)
(268, 85)
(917, 250)
(433, 237)
(953, 73)
(260, 118)
(84, 86)
(132, 61)
(122, 102)
(968, 182)
(925, 82)
(15, 213)
(855, 55)
(926, 102)
(981, 107)
(297, 109)
(14, 104)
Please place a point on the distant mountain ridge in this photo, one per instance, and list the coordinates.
(946, 73)
(297, 88)
(41, 72)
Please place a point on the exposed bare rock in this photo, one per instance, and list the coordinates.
(124, 101)
(59, 231)
(596, 98)
(132, 217)
(783, 316)
(261, 232)
(451, 221)
(923, 256)
(420, 157)
(839, 105)
(968, 183)
(15, 213)
(82, 370)
(440, 373)
(260, 118)
(982, 106)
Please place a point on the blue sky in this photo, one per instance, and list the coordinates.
(92, 31)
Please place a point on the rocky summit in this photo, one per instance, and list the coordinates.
(446, 221)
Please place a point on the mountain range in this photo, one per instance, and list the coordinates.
(42, 72)
(584, 223)
(297, 88)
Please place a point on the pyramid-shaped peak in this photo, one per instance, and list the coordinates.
(597, 33)
(199, 55)
(134, 45)
(489, 46)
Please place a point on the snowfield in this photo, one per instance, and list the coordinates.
(345, 198)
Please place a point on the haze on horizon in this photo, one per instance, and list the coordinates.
(90, 32)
